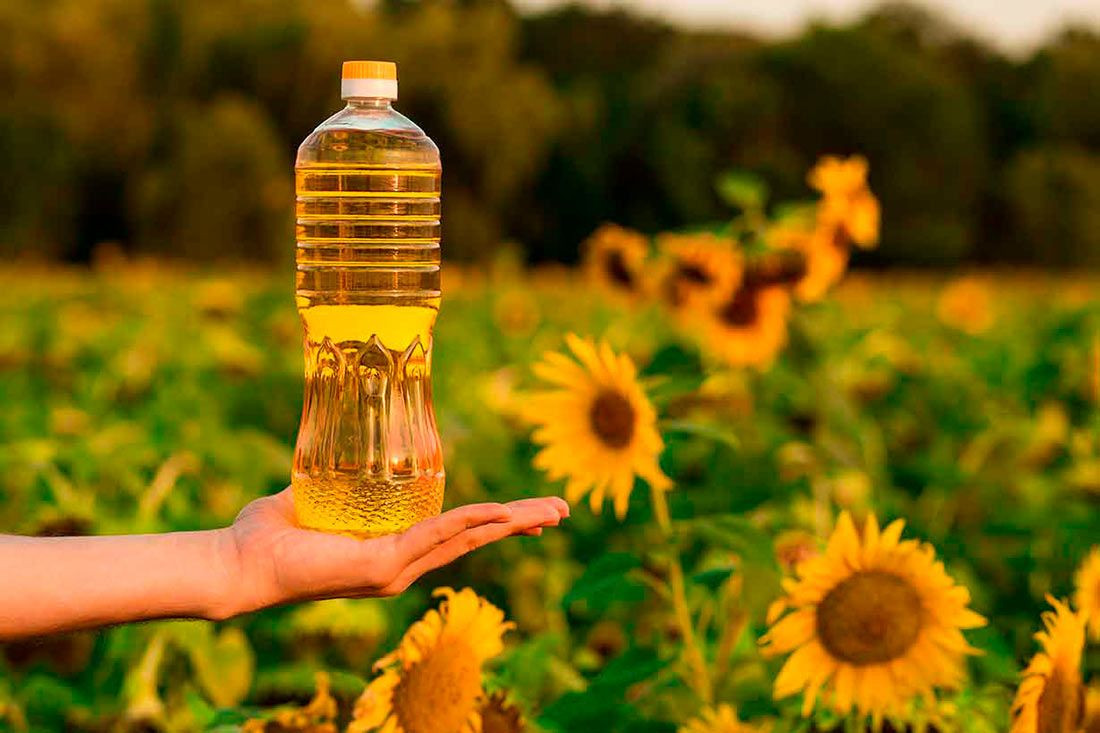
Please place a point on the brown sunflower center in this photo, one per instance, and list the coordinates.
(741, 310)
(841, 237)
(617, 270)
(694, 273)
(439, 693)
(1061, 705)
(612, 418)
(871, 617)
(777, 268)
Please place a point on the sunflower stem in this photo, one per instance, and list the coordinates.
(701, 676)
(736, 621)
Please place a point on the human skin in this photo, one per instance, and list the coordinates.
(54, 584)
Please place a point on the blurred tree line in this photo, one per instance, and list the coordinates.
(169, 126)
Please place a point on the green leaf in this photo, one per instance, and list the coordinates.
(201, 710)
(710, 431)
(742, 190)
(674, 359)
(607, 580)
(583, 711)
(224, 667)
(712, 579)
(649, 726)
(629, 668)
(735, 533)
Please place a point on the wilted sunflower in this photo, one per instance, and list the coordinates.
(597, 427)
(615, 258)
(846, 202)
(720, 719)
(1051, 696)
(748, 328)
(824, 254)
(1087, 598)
(875, 621)
(700, 269)
(432, 682)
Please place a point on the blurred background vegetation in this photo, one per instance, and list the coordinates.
(168, 127)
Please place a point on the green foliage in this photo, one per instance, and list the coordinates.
(142, 398)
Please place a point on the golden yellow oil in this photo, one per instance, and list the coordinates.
(368, 459)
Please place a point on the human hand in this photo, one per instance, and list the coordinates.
(273, 560)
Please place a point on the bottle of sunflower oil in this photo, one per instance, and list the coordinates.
(368, 459)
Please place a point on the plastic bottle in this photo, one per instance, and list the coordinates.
(368, 459)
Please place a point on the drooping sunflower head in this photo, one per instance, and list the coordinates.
(873, 621)
(749, 327)
(1087, 597)
(432, 682)
(824, 257)
(595, 424)
(699, 269)
(1051, 696)
(719, 719)
(846, 201)
(615, 259)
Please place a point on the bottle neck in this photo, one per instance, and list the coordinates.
(381, 103)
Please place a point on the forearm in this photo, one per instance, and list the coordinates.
(57, 584)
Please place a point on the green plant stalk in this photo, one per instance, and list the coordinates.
(736, 621)
(700, 674)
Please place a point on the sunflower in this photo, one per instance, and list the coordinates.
(824, 253)
(846, 204)
(873, 620)
(966, 305)
(596, 426)
(720, 719)
(1051, 696)
(749, 327)
(432, 682)
(1087, 598)
(701, 269)
(615, 258)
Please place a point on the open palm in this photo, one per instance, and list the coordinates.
(280, 562)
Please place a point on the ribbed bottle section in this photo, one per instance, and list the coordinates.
(367, 235)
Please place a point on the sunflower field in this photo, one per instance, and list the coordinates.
(801, 500)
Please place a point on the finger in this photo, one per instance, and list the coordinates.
(425, 536)
(558, 504)
(528, 516)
